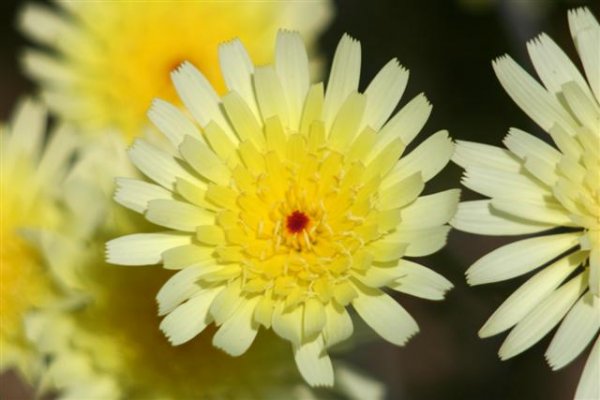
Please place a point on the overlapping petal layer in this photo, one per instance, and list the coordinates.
(536, 187)
(285, 203)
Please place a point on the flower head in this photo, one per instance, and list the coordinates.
(286, 203)
(101, 337)
(105, 60)
(536, 187)
(30, 178)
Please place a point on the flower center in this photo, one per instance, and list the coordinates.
(297, 222)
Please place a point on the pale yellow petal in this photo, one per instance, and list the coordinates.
(530, 294)
(143, 248)
(313, 362)
(542, 318)
(520, 257)
(388, 318)
(237, 333)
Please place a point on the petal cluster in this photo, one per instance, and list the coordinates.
(533, 187)
(99, 64)
(31, 173)
(286, 203)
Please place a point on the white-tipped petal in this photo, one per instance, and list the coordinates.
(186, 255)
(178, 288)
(553, 66)
(585, 31)
(143, 248)
(520, 257)
(237, 333)
(244, 121)
(428, 158)
(541, 106)
(404, 125)
(480, 217)
(178, 215)
(135, 194)
(383, 94)
(190, 318)
(198, 95)
(237, 70)
(501, 184)
(270, 95)
(524, 145)
(343, 78)
(402, 193)
(338, 326)
(545, 316)
(530, 294)
(157, 165)
(589, 384)
(313, 362)
(578, 329)
(585, 108)
(420, 281)
(421, 242)
(470, 154)
(314, 318)
(385, 316)
(288, 323)
(227, 302)
(204, 160)
(431, 210)
(291, 65)
(541, 210)
(346, 124)
(171, 121)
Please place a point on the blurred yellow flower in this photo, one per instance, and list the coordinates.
(102, 62)
(290, 205)
(30, 177)
(102, 337)
(535, 187)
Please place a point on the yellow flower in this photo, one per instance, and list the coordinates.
(102, 339)
(290, 205)
(536, 187)
(30, 177)
(105, 60)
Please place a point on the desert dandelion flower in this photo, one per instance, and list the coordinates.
(100, 63)
(535, 187)
(101, 338)
(291, 205)
(30, 176)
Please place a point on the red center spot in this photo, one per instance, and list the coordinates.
(297, 221)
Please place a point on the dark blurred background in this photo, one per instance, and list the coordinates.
(448, 46)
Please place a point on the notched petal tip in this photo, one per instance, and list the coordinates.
(347, 37)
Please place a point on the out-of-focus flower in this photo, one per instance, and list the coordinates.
(289, 204)
(101, 62)
(31, 172)
(536, 187)
(102, 338)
